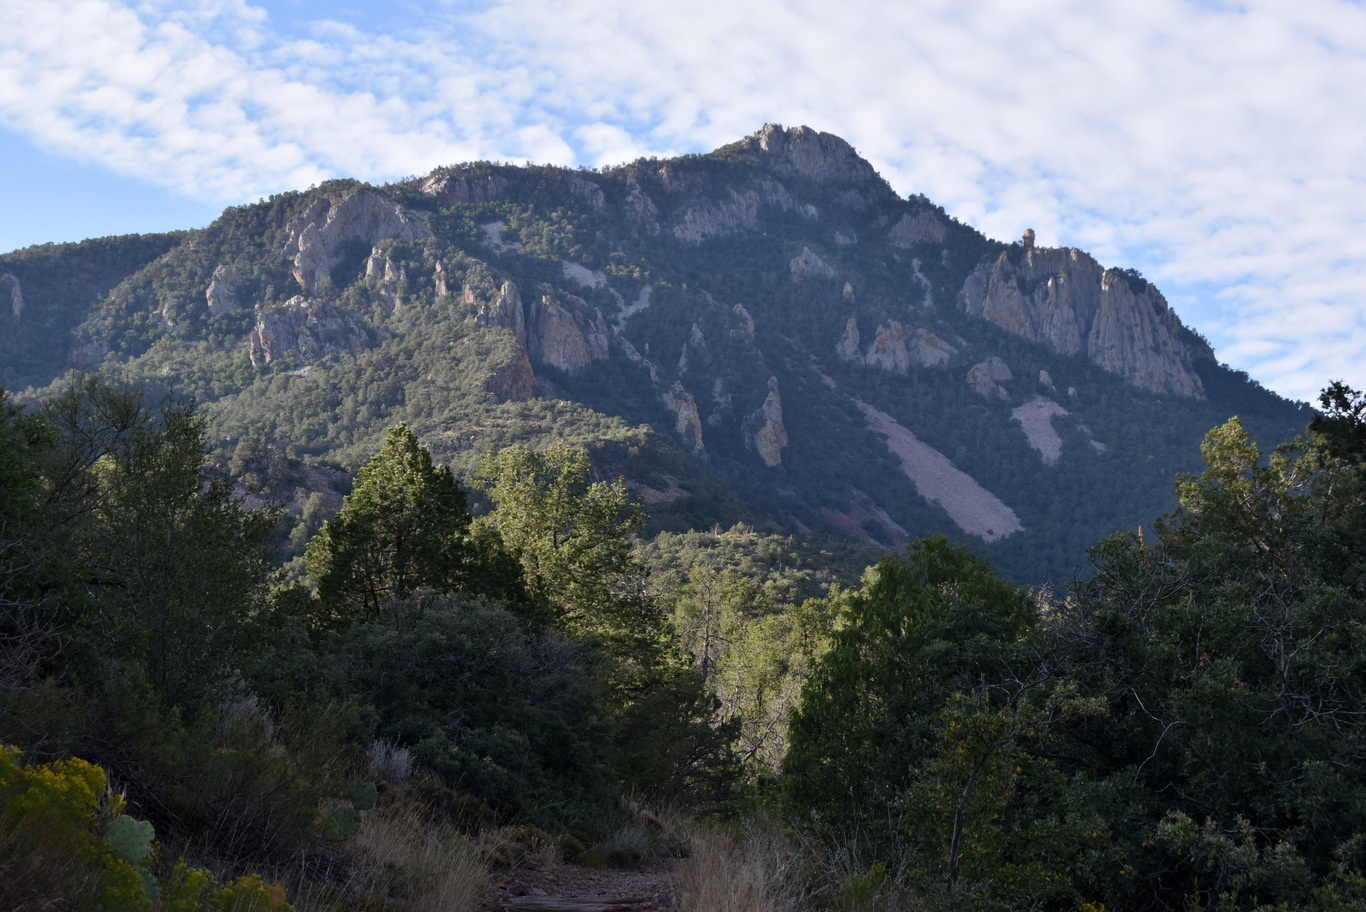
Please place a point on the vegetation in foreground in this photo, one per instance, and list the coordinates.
(429, 693)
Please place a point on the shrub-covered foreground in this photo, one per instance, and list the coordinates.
(431, 693)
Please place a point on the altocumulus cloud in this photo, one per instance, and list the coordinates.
(1218, 148)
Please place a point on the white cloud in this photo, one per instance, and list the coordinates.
(1218, 148)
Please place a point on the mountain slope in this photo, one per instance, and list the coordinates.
(766, 333)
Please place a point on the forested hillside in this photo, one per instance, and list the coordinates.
(766, 334)
(432, 695)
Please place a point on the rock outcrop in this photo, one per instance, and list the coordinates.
(585, 189)
(710, 218)
(505, 310)
(221, 294)
(333, 221)
(807, 265)
(641, 212)
(763, 428)
(848, 345)
(308, 328)
(390, 280)
(514, 382)
(557, 329)
(567, 338)
(1066, 300)
(452, 187)
(822, 158)
(894, 348)
(746, 328)
(16, 295)
(985, 377)
(687, 422)
(922, 227)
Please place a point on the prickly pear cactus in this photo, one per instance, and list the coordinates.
(363, 799)
(342, 824)
(129, 839)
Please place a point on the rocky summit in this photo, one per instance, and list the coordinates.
(767, 333)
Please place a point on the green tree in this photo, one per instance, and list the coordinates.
(923, 627)
(573, 538)
(401, 528)
(182, 564)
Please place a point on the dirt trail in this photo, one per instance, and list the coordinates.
(560, 887)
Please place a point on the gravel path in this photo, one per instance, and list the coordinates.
(570, 888)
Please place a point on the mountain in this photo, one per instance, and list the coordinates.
(767, 333)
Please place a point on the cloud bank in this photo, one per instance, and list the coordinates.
(1217, 147)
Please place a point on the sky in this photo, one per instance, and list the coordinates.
(1219, 148)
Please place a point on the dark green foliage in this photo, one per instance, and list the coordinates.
(492, 708)
(401, 528)
(922, 628)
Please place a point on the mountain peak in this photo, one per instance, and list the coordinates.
(824, 158)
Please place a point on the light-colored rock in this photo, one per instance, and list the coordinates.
(823, 158)
(763, 428)
(641, 302)
(588, 278)
(1046, 381)
(308, 328)
(390, 279)
(565, 334)
(90, 352)
(586, 189)
(1036, 418)
(973, 508)
(1065, 299)
(439, 280)
(807, 265)
(453, 187)
(1028, 238)
(221, 295)
(493, 236)
(849, 292)
(918, 228)
(848, 345)
(746, 322)
(505, 310)
(888, 350)
(514, 382)
(710, 218)
(924, 283)
(16, 295)
(894, 348)
(332, 221)
(985, 375)
(845, 240)
(928, 350)
(641, 212)
(686, 420)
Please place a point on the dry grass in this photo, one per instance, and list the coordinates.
(757, 870)
(399, 860)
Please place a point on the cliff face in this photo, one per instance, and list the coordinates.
(1065, 299)
(558, 328)
(764, 430)
(316, 237)
(893, 348)
(823, 158)
(309, 329)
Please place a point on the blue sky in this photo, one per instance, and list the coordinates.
(1220, 148)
